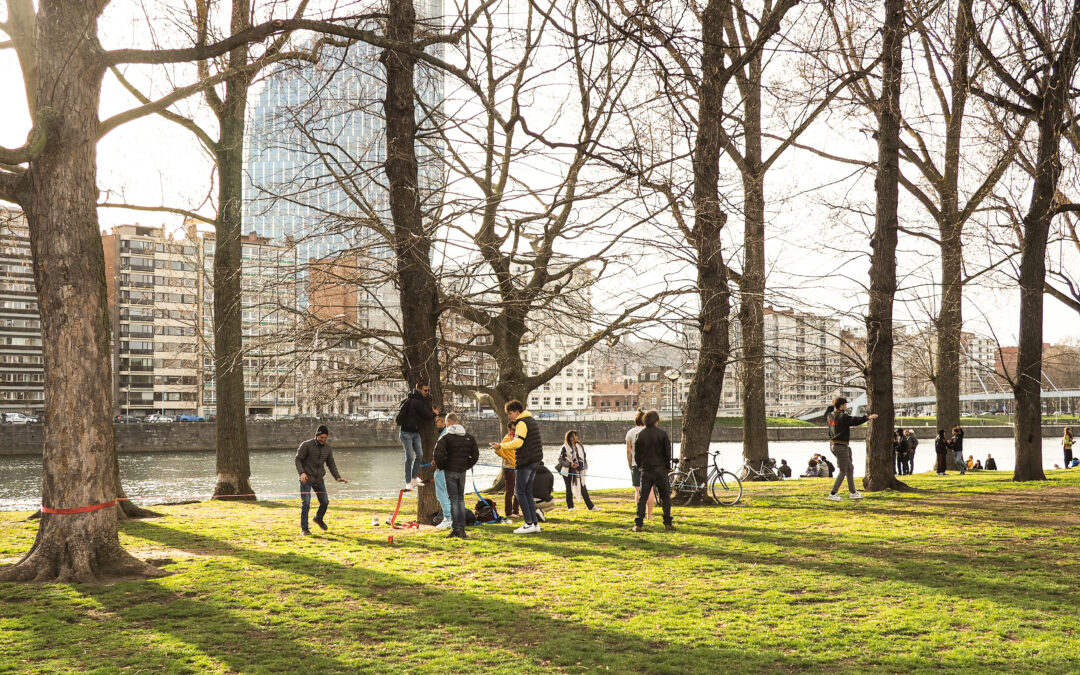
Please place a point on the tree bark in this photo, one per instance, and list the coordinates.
(880, 466)
(412, 243)
(59, 196)
(233, 465)
(703, 398)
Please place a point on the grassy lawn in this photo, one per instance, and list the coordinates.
(974, 573)
(769, 422)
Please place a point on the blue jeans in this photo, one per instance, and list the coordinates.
(414, 453)
(523, 490)
(441, 494)
(455, 486)
(305, 501)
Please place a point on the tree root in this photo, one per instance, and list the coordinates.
(52, 564)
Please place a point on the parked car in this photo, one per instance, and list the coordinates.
(211, 418)
(14, 418)
(487, 414)
(126, 419)
(261, 417)
(158, 418)
(356, 417)
(189, 417)
(379, 416)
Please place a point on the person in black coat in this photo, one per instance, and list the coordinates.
(652, 455)
(414, 412)
(455, 453)
(941, 447)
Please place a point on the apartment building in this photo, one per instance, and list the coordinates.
(153, 284)
(22, 375)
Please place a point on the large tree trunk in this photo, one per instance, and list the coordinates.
(949, 324)
(1028, 387)
(412, 243)
(59, 196)
(703, 398)
(880, 465)
(233, 466)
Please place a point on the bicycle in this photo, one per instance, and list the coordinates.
(722, 486)
(765, 470)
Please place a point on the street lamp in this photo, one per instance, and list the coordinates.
(672, 375)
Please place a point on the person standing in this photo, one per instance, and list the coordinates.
(941, 448)
(910, 443)
(507, 455)
(899, 450)
(572, 458)
(1067, 446)
(414, 412)
(455, 453)
(635, 472)
(840, 424)
(310, 458)
(652, 454)
(528, 454)
(957, 445)
(440, 482)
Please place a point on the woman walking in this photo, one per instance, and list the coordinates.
(1067, 446)
(508, 456)
(572, 459)
(941, 447)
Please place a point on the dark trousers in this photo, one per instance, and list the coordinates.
(455, 488)
(1068, 457)
(909, 463)
(523, 489)
(569, 480)
(900, 464)
(651, 478)
(305, 501)
(510, 502)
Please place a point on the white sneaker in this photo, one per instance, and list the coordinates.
(596, 508)
(835, 498)
(568, 509)
(408, 487)
(444, 525)
(524, 529)
(417, 481)
(856, 495)
(535, 528)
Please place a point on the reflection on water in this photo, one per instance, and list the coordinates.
(173, 476)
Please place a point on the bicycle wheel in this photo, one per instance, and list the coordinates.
(742, 473)
(683, 488)
(725, 487)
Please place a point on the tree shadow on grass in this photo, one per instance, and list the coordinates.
(491, 623)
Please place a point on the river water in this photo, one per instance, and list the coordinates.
(153, 477)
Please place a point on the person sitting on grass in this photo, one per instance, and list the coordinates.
(455, 453)
(310, 458)
(977, 466)
(652, 454)
(991, 463)
(784, 470)
(542, 487)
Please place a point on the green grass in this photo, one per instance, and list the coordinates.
(975, 573)
(769, 422)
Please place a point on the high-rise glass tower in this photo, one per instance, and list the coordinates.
(316, 144)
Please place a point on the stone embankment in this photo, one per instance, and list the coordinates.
(287, 434)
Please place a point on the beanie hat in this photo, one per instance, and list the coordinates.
(322, 430)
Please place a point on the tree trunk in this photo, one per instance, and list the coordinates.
(233, 465)
(880, 465)
(703, 398)
(752, 284)
(949, 324)
(59, 195)
(412, 243)
(1028, 387)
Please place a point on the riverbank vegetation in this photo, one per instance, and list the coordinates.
(972, 573)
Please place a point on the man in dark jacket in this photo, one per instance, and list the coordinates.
(415, 411)
(310, 458)
(455, 453)
(528, 454)
(652, 455)
(840, 424)
(910, 443)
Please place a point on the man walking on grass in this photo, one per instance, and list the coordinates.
(528, 455)
(652, 454)
(840, 424)
(455, 453)
(310, 458)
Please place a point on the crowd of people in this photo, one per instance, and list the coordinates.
(529, 484)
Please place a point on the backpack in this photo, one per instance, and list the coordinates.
(485, 512)
(402, 412)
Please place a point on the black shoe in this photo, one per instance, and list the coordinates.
(541, 516)
(306, 533)
(320, 523)
(669, 527)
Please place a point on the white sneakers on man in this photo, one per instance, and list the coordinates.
(856, 495)
(444, 525)
(528, 529)
(835, 498)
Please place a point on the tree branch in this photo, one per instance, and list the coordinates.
(45, 121)
(159, 209)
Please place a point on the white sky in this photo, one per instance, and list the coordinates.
(152, 162)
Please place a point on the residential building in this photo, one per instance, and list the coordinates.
(22, 375)
(153, 286)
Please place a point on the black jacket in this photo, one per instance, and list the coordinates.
(543, 484)
(958, 441)
(531, 449)
(652, 450)
(941, 446)
(456, 451)
(991, 465)
(840, 424)
(910, 443)
(417, 411)
(311, 456)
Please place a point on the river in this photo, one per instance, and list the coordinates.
(151, 477)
